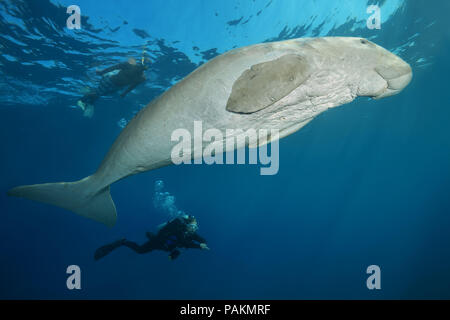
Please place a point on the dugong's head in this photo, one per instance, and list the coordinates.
(373, 71)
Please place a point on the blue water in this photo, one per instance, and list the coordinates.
(366, 183)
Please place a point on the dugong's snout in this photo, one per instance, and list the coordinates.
(375, 71)
(397, 74)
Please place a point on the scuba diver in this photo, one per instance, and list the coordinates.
(177, 233)
(127, 74)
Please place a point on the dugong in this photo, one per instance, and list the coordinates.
(280, 85)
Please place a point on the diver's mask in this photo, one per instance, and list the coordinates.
(192, 227)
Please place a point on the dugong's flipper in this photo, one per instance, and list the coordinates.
(79, 197)
(266, 83)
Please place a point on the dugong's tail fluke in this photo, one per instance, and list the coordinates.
(78, 197)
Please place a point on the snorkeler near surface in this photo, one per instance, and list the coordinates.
(127, 74)
(180, 232)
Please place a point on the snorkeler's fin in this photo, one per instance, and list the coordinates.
(80, 197)
(89, 111)
(81, 104)
(107, 249)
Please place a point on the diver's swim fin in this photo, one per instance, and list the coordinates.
(106, 249)
(80, 197)
(174, 254)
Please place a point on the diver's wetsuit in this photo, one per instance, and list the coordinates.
(128, 75)
(173, 235)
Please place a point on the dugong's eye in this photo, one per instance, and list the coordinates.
(364, 41)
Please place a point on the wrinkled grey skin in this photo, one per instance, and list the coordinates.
(338, 70)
